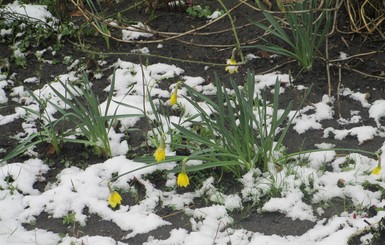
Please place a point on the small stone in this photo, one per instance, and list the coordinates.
(341, 183)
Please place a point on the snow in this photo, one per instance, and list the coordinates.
(3, 96)
(343, 56)
(214, 15)
(269, 80)
(136, 31)
(34, 12)
(377, 111)
(322, 111)
(363, 133)
(292, 205)
(75, 189)
(360, 97)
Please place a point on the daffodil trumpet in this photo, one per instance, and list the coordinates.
(231, 63)
(377, 170)
(160, 152)
(174, 94)
(115, 198)
(183, 179)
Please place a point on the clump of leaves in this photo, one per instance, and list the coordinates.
(199, 11)
(304, 30)
(244, 127)
(69, 219)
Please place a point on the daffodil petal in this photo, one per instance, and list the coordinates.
(160, 154)
(231, 68)
(183, 179)
(173, 98)
(376, 171)
(114, 199)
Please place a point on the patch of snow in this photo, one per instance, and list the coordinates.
(354, 119)
(318, 159)
(89, 240)
(363, 133)
(252, 56)
(291, 205)
(343, 56)
(209, 89)
(134, 32)
(358, 96)
(34, 13)
(206, 224)
(214, 15)
(377, 111)
(3, 95)
(130, 78)
(144, 50)
(118, 147)
(322, 111)
(131, 106)
(324, 145)
(269, 80)
(177, 236)
(31, 80)
(24, 175)
(5, 32)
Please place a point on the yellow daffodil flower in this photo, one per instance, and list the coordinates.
(174, 94)
(377, 170)
(232, 67)
(114, 199)
(160, 154)
(183, 179)
(173, 98)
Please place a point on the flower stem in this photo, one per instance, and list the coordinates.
(237, 42)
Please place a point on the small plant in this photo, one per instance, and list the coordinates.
(244, 128)
(28, 32)
(82, 115)
(199, 11)
(95, 20)
(9, 184)
(69, 219)
(307, 30)
(238, 133)
(85, 114)
(50, 128)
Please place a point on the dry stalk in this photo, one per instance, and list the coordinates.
(320, 8)
(166, 36)
(328, 66)
(339, 90)
(366, 16)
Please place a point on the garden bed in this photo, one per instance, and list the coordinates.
(303, 194)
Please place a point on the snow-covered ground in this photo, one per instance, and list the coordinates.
(76, 188)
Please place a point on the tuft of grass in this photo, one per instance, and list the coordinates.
(82, 115)
(244, 128)
(304, 30)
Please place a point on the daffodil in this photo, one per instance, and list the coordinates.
(231, 68)
(160, 154)
(114, 199)
(183, 179)
(173, 98)
(174, 94)
(377, 170)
